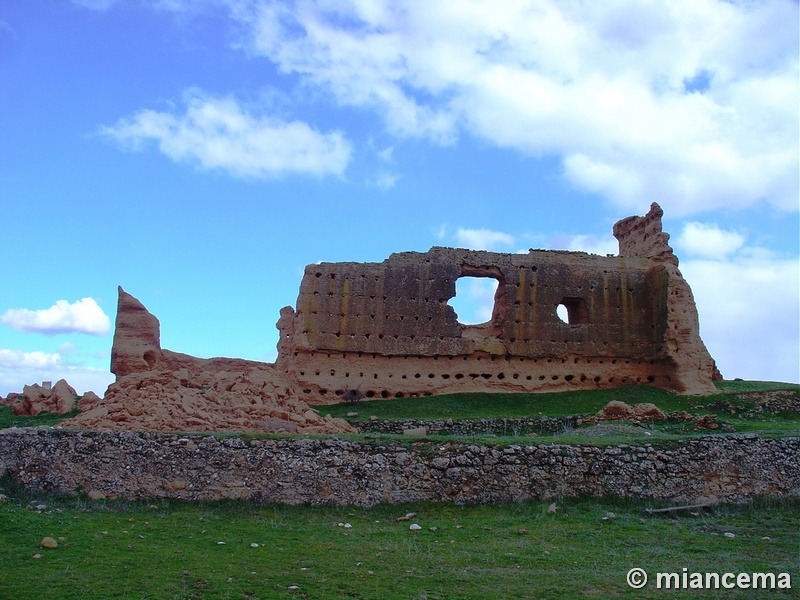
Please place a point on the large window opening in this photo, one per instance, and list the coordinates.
(474, 299)
(573, 311)
(480, 301)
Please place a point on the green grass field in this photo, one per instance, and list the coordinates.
(736, 412)
(170, 550)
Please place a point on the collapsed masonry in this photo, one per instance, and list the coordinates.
(386, 330)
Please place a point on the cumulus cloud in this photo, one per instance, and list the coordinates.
(748, 307)
(218, 133)
(748, 299)
(36, 360)
(690, 103)
(83, 316)
(482, 239)
(708, 241)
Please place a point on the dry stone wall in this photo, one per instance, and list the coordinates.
(502, 426)
(121, 464)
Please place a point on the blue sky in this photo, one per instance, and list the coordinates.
(201, 153)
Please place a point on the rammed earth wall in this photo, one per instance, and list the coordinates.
(340, 472)
(387, 330)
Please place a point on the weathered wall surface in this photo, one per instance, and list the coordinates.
(693, 366)
(400, 307)
(330, 471)
(387, 330)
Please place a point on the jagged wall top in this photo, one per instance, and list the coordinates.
(643, 236)
(400, 306)
(634, 309)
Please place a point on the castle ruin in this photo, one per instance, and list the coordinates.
(386, 330)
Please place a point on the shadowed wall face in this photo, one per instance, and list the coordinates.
(400, 307)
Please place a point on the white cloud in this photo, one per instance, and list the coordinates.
(165, 5)
(67, 348)
(482, 239)
(217, 133)
(17, 359)
(707, 241)
(386, 180)
(18, 369)
(748, 307)
(96, 4)
(386, 155)
(83, 316)
(7, 31)
(603, 85)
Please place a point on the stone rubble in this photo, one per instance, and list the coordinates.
(160, 390)
(195, 401)
(504, 426)
(48, 542)
(35, 399)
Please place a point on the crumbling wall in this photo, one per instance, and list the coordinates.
(386, 330)
(400, 307)
(694, 369)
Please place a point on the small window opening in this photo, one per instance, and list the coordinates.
(573, 311)
(150, 358)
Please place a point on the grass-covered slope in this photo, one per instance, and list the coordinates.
(582, 548)
(740, 406)
(480, 405)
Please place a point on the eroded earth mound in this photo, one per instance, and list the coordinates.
(164, 400)
(160, 390)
